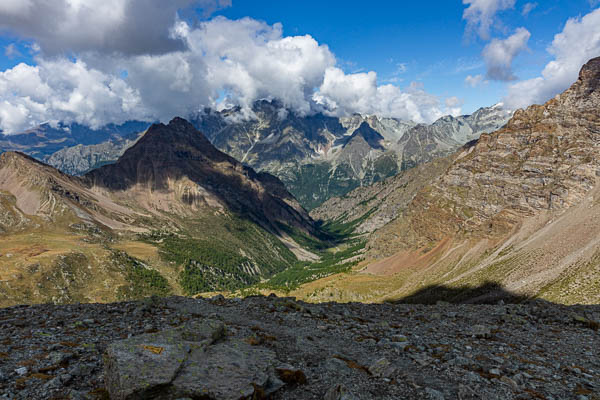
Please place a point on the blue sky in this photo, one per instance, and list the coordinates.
(427, 37)
(109, 61)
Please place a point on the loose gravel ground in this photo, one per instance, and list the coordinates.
(536, 350)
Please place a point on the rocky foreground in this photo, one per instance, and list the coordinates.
(269, 347)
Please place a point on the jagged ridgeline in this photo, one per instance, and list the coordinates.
(316, 156)
(172, 215)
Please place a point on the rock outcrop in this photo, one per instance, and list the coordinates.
(193, 361)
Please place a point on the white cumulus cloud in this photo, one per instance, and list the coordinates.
(574, 46)
(500, 53)
(62, 90)
(480, 15)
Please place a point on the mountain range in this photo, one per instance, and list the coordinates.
(315, 156)
(517, 209)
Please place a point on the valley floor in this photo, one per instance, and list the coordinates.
(534, 350)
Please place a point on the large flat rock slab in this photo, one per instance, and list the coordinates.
(194, 361)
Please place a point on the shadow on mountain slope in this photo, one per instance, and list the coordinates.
(487, 293)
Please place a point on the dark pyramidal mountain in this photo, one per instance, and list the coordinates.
(519, 207)
(178, 162)
(172, 215)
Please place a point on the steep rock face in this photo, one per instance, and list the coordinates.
(275, 136)
(519, 206)
(546, 158)
(391, 129)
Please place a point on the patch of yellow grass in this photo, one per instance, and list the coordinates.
(19, 250)
(142, 251)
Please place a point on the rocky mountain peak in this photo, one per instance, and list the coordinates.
(177, 132)
(370, 135)
(590, 73)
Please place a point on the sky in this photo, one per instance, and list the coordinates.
(108, 61)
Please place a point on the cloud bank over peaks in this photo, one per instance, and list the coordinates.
(343, 94)
(571, 49)
(219, 63)
(62, 90)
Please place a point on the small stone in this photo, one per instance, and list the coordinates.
(339, 392)
(400, 345)
(57, 357)
(399, 338)
(291, 375)
(337, 366)
(433, 394)
(381, 368)
(510, 382)
(273, 384)
(495, 371)
(53, 383)
(21, 371)
(54, 347)
(481, 331)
